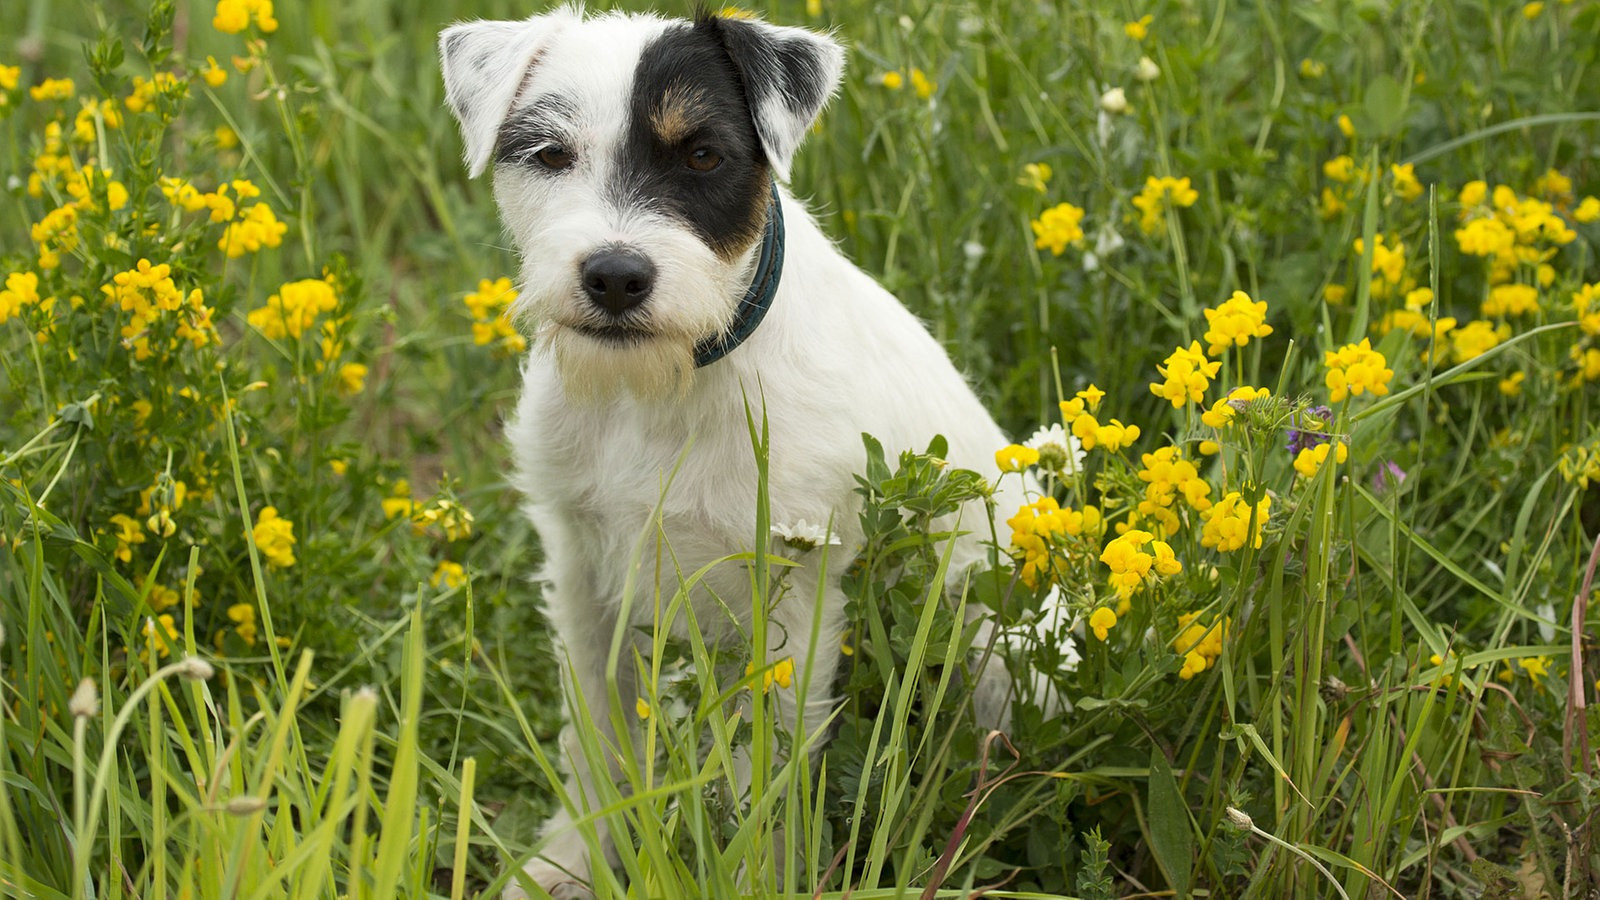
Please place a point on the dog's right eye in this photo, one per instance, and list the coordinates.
(554, 157)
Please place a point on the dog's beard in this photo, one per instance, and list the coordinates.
(592, 370)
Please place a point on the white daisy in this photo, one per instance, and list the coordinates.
(803, 536)
(1059, 452)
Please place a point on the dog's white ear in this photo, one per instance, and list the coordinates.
(485, 64)
(789, 74)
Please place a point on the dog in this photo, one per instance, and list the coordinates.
(639, 166)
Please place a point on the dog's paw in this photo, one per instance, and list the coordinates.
(555, 881)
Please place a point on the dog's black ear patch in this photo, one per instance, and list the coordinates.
(691, 150)
(484, 66)
(788, 75)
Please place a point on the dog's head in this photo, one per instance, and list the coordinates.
(633, 163)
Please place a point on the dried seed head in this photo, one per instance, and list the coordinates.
(1240, 819)
(195, 669)
(245, 806)
(85, 700)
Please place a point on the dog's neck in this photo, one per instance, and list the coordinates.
(758, 297)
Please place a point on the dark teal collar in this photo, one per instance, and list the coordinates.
(757, 298)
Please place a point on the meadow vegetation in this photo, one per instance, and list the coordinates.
(1300, 303)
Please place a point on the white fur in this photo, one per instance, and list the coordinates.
(600, 427)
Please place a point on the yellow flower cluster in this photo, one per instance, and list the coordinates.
(1476, 338)
(147, 291)
(128, 533)
(10, 77)
(219, 206)
(1167, 476)
(1405, 183)
(448, 575)
(1586, 306)
(1042, 526)
(1514, 230)
(243, 617)
(257, 228)
(1057, 227)
(1234, 322)
(1310, 459)
(1356, 369)
(1158, 195)
(147, 93)
(490, 324)
(293, 310)
(1185, 374)
(1511, 300)
(1199, 644)
(21, 291)
(1035, 176)
(1580, 465)
(234, 16)
(1227, 523)
(53, 89)
(1388, 264)
(274, 537)
(1130, 564)
(84, 129)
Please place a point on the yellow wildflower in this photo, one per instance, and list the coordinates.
(1101, 621)
(1035, 176)
(214, 74)
(923, 85)
(293, 310)
(894, 81)
(1310, 459)
(1160, 194)
(1227, 522)
(1406, 185)
(1234, 322)
(1532, 10)
(780, 673)
(243, 616)
(274, 537)
(1511, 300)
(352, 379)
(234, 16)
(1588, 210)
(1221, 413)
(1015, 458)
(1356, 369)
(1186, 374)
(1131, 564)
(1511, 385)
(53, 89)
(258, 228)
(448, 574)
(1057, 227)
(1139, 29)
(128, 534)
(641, 708)
(1475, 339)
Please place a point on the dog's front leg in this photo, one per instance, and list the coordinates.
(584, 620)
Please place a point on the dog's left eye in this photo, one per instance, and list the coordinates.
(554, 156)
(704, 159)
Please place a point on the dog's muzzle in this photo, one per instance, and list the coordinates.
(617, 279)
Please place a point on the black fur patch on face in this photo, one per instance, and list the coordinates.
(688, 99)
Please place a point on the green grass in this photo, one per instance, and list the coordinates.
(377, 726)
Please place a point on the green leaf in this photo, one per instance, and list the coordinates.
(1171, 840)
(1385, 105)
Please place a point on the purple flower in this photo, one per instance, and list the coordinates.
(1388, 475)
(1308, 428)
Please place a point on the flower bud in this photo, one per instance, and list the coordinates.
(1114, 101)
(1146, 70)
(1240, 819)
(195, 669)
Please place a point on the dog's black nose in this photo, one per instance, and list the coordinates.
(618, 279)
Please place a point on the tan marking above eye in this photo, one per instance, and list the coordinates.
(678, 113)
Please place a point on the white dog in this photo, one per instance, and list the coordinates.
(637, 165)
